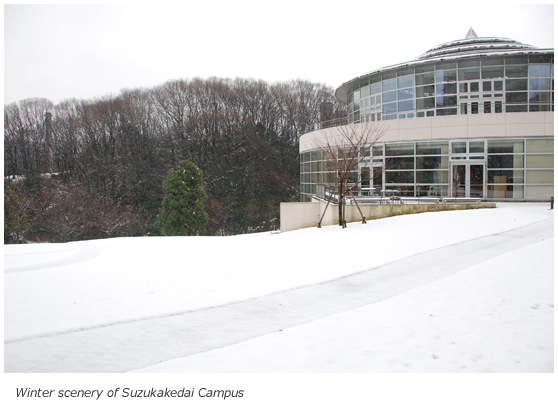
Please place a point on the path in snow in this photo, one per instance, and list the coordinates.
(130, 345)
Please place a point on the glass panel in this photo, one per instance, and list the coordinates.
(399, 177)
(446, 88)
(476, 178)
(492, 72)
(432, 162)
(498, 85)
(424, 91)
(505, 191)
(540, 145)
(425, 148)
(400, 149)
(315, 155)
(474, 87)
(476, 147)
(463, 87)
(405, 94)
(389, 97)
(378, 150)
(540, 176)
(492, 61)
(505, 176)
(539, 192)
(427, 103)
(459, 147)
(378, 182)
(517, 71)
(505, 146)
(487, 107)
(497, 107)
(389, 108)
(424, 69)
(445, 101)
(406, 105)
(432, 190)
(375, 88)
(365, 176)
(426, 78)
(539, 70)
(539, 97)
(446, 76)
(400, 163)
(516, 108)
(474, 108)
(505, 161)
(469, 63)
(388, 85)
(458, 181)
(539, 84)
(516, 84)
(406, 81)
(469, 74)
(446, 112)
(432, 176)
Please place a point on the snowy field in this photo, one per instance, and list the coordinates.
(462, 291)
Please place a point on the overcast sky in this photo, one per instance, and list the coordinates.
(88, 51)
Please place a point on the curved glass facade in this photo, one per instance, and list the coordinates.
(465, 85)
(474, 159)
(508, 168)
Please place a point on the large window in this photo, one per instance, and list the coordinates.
(516, 168)
(465, 86)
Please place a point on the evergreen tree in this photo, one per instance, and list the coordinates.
(182, 212)
(15, 220)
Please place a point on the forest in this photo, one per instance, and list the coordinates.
(90, 169)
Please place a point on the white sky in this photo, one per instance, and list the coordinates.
(87, 51)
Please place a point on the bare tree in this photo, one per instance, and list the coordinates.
(344, 148)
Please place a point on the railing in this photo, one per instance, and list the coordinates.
(341, 121)
(367, 195)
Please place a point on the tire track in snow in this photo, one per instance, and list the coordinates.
(133, 344)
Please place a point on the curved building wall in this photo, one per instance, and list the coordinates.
(491, 83)
(498, 156)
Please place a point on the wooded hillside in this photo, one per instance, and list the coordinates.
(109, 156)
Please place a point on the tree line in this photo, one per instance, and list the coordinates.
(96, 168)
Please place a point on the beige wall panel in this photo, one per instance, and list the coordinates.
(524, 118)
(453, 132)
(452, 127)
(299, 215)
(416, 134)
(487, 130)
(449, 121)
(524, 130)
(416, 123)
(482, 119)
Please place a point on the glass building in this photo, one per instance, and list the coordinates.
(469, 118)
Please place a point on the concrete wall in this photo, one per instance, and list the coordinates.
(302, 215)
(472, 126)
(299, 215)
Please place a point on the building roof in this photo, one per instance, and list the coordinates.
(471, 45)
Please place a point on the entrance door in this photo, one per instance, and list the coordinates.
(467, 180)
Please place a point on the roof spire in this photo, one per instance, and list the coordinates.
(471, 34)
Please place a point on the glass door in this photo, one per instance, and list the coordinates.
(467, 180)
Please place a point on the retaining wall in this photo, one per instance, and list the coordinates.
(307, 214)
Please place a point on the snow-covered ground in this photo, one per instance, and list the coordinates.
(462, 291)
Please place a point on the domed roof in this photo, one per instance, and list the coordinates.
(472, 44)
